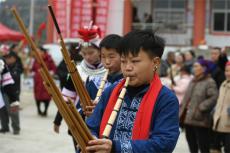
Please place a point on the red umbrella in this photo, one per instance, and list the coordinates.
(7, 34)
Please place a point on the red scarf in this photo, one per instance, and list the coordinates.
(144, 114)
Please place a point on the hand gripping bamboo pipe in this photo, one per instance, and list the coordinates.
(115, 111)
(73, 119)
(75, 76)
(102, 85)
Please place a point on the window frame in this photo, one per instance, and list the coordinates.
(225, 10)
(170, 10)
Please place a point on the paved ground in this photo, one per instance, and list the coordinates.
(37, 134)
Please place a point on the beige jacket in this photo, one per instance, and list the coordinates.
(221, 119)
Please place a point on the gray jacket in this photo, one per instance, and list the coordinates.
(199, 100)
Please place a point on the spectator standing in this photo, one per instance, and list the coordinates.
(40, 93)
(221, 118)
(197, 104)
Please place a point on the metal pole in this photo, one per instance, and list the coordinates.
(31, 24)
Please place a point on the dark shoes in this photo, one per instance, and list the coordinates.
(43, 114)
(4, 131)
(16, 132)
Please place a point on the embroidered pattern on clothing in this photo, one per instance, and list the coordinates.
(125, 123)
(126, 146)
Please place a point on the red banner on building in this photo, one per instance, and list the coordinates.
(102, 11)
(61, 15)
(73, 14)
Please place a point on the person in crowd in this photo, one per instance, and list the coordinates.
(221, 117)
(190, 58)
(62, 71)
(148, 119)
(218, 59)
(90, 66)
(40, 93)
(8, 88)
(197, 104)
(166, 64)
(179, 62)
(181, 82)
(110, 58)
(15, 68)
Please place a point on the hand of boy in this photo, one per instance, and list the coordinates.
(99, 145)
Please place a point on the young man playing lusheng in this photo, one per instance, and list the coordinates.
(111, 60)
(148, 118)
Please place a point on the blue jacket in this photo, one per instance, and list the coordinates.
(164, 131)
(92, 85)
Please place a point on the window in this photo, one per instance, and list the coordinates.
(170, 15)
(221, 15)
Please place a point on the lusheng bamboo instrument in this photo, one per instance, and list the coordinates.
(73, 119)
(102, 85)
(115, 111)
(76, 79)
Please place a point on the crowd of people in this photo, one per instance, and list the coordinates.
(198, 83)
(184, 91)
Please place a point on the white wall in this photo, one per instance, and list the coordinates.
(115, 17)
(220, 41)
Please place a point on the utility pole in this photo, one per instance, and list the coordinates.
(31, 24)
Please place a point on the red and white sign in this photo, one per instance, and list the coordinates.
(102, 10)
(73, 14)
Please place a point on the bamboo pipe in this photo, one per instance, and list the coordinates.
(50, 85)
(115, 111)
(78, 116)
(66, 113)
(102, 85)
(76, 79)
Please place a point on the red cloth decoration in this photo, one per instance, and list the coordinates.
(143, 118)
(41, 27)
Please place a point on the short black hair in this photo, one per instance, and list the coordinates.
(186, 68)
(42, 49)
(147, 40)
(111, 41)
(192, 52)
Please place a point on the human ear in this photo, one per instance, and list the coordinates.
(156, 63)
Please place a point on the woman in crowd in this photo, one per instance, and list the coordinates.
(198, 102)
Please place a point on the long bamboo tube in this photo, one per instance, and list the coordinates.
(68, 115)
(63, 109)
(115, 111)
(76, 79)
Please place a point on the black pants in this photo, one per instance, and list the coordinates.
(215, 141)
(221, 139)
(4, 116)
(198, 138)
(46, 103)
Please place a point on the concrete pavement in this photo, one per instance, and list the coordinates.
(37, 134)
